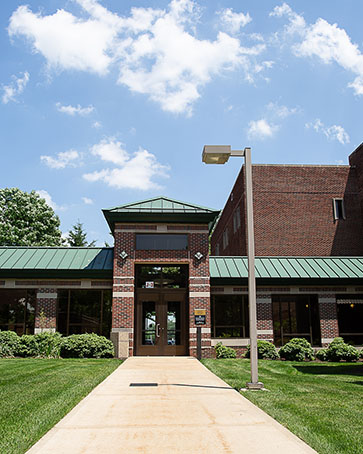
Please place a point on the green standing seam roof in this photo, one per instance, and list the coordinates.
(288, 267)
(93, 260)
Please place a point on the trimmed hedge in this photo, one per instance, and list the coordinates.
(224, 352)
(9, 343)
(297, 349)
(265, 350)
(53, 345)
(338, 350)
(321, 354)
(86, 346)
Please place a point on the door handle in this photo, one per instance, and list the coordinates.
(158, 330)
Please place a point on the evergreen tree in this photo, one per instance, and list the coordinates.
(77, 237)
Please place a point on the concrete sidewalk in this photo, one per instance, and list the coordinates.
(191, 411)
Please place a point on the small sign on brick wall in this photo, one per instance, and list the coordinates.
(200, 316)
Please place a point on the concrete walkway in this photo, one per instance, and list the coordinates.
(191, 411)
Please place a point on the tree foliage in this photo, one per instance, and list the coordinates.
(27, 220)
(77, 237)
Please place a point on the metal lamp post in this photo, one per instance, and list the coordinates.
(219, 154)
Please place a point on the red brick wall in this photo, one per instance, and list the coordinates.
(199, 285)
(293, 212)
(46, 309)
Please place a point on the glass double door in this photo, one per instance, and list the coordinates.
(161, 323)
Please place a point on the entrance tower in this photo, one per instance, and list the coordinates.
(161, 278)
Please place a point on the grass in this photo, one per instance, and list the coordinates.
(36, 393)
(319, 402)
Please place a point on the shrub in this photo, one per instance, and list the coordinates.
(297, 349)
(338, 350)
(224, 352)
(86, 346)
(361, 354)
(44, 345)
(9, 343)
(265, 350)
(322, 354)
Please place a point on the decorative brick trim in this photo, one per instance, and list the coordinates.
(122, 294)
(47, 295)
(199, 294)
(240, 342)
(266, 332)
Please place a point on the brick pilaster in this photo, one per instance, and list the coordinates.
(264, 317)
(46, 310)
(328, 319)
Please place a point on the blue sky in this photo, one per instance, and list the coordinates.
(108, 102)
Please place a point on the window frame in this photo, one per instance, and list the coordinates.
(164, 236)
(336, 210)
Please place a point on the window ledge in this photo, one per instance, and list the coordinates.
(231, 342)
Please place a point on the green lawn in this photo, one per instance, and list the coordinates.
(36, 393)
(322, 403)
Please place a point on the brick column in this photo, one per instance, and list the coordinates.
(264, 318)
(122, 333)
(46, 311)
(328, 319)
(199, 293)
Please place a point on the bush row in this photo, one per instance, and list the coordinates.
(297, 349)
(53, 345)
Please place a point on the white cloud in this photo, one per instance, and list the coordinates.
(261, 129)
(87, 201)
(232, 21)
(15, 88)
(136, 171)
(155, 51)
(281, 111)
(73, 110)
(62, 160)
(334, 132)
(325, 41)
(48, 198)
(96, 125)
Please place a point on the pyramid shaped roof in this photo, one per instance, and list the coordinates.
(160, 209)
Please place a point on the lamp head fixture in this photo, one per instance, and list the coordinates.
(219, 154)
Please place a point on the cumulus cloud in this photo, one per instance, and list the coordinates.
(74, 110)
(133, 171)
(96, 125)
(271, 122)
(155, 51)
(334, 132)
(261, 129)
(62, 160)
(232, 21)
(48, 198)
(15, 88)
(325, 41)
(87, 200)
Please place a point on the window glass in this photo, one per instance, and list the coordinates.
(161, 242)
(295, 316)
(230, 316)
(156, 276)
(339, 210)
(84, 311)
(17, 311)
(350, 318)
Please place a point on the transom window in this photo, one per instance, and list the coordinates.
(161, 276)
(161, 242)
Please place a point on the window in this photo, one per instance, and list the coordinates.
(295, 316)
(17, 311)
(217, 249)
(230, 316)
(161, 242)
(236, 220)
(225, 239)
(338, 209)
(84, 311)
(350, 318)
(156, 276)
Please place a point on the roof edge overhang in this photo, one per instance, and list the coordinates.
(316, 282)
(172, 218)
(56, 274)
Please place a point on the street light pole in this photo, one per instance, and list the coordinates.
(219, 154)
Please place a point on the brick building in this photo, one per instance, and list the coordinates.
(158, 285)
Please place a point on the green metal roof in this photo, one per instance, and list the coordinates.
(160, 209)
(57, 261)
(288, 267)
